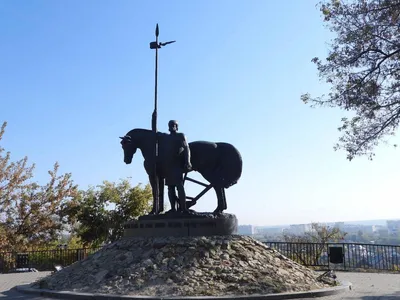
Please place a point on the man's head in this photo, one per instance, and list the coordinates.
(173, 126)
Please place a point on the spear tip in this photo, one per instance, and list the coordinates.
(157, 30)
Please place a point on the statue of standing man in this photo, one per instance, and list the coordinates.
(177, 147)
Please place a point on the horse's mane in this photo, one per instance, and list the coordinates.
(140, 132)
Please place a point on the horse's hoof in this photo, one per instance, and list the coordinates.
(217, 212)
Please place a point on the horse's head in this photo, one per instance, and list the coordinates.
(129, 148)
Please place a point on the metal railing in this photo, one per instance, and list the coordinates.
(42, 260)
(355, 256)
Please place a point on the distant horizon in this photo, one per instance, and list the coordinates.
(353, 222)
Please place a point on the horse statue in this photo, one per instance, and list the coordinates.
(219, 163)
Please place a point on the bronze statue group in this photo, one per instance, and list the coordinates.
(219, 163)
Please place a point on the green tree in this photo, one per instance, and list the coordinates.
(30, 212)
(363, 71)
(98, 214)
(319, 235)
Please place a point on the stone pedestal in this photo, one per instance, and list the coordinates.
(177, 224)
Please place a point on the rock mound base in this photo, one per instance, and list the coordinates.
(185, 266)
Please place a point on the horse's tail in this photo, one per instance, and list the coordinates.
(230, 165)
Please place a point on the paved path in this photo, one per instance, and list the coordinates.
(8, 281)
(369, 286)
(366, 286)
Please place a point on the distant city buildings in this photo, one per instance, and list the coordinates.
(299, 229)
(380, 230)
(354, 232)
(268, 230)
(393, 226)
(246, 229)
(352, 229)
(339, 225)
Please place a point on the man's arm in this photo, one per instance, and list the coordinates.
(186, 151)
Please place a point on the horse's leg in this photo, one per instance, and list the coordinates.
(220, 191)
(218, 210)
(153, 189)
(224, 205)
(161, 193)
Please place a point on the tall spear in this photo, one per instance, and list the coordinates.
(156, 45)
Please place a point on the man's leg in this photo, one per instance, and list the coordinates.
(172, 197)
(182, 197)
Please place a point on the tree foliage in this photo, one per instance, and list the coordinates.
(14, 176)
(37, 216)
(363, 70)
(29, 212)
(319, 233)
(98, 214)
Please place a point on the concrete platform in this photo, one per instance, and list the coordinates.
(345, 286)
(381, 286)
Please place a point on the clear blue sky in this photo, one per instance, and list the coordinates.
(75, 75)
